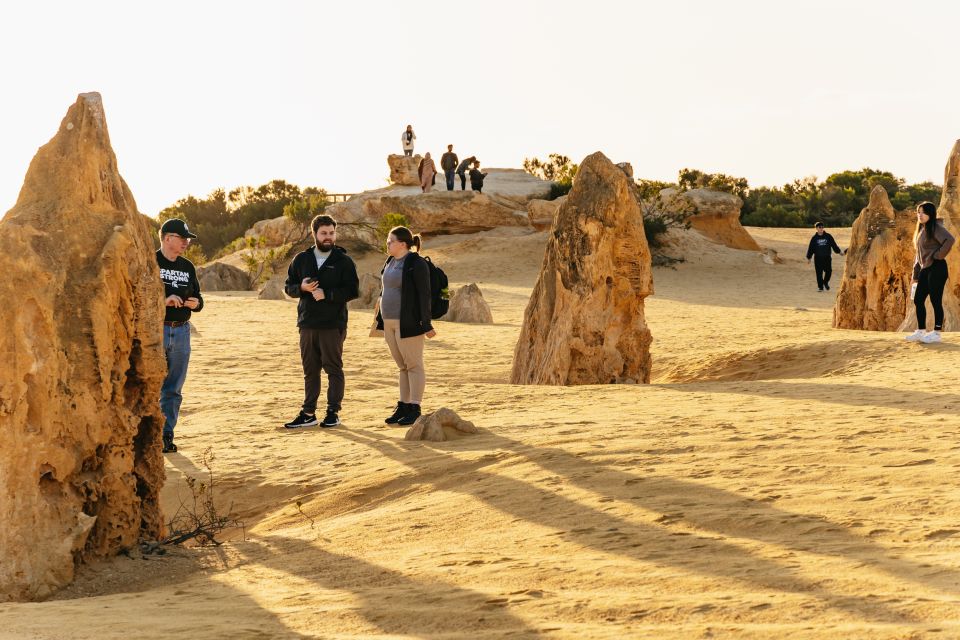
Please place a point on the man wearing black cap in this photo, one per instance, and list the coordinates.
(182, 298)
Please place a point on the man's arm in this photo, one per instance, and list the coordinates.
(810, 247)
(349, 288)
(195, 282)
(833, 243)
(292, 285)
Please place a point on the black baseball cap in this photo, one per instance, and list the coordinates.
(177, 226)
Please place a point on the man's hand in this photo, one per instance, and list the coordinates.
(430, 334)
(191, 303)
(308, 285)
(317, 293)
(808, 260)
(173, 300)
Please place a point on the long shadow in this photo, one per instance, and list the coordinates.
(394, 603)
(587, 526)
(856, 395)
(196, 606)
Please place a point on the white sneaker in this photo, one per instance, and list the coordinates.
(932, 336)
(916, 336)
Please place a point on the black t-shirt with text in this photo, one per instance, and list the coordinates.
(180, 279)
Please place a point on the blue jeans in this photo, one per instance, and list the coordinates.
(176, 346)
(449, 173)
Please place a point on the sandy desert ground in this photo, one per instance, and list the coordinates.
(778, 478)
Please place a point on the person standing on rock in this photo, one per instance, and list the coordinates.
(324, 278)
(407, 139)
(932, 242)
(476, 178)
(181, 291)
(819, 248)
(462, 171)
(427, 170)
(448, 162)
(404, 318)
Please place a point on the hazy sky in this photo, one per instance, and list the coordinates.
(206, 94)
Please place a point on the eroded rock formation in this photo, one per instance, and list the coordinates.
(875, 287)
(949, 213)
(715, 214)
(584, 323)
(403, 169)
(80, 461)
(441, 425)
(542, 212)
(220, 276)
(369, 292)
(467, 305)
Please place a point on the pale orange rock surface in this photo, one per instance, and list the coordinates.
(875, 287)
(467, 305)
(80, 461)
(584, 323)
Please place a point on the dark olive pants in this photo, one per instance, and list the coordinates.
(322, 350)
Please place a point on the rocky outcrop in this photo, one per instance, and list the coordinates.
(875, 287)
(715, 214)
(219, 276)
(584, 323)
(467, 305)
(278, 231)
(369, 292)
(272, 289)
(80, 461)
(403, 169)
(441, 425)
(949, 213)
(542, 212)
(444, 212)
(502, 203)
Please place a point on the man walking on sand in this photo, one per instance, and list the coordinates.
(181, 291)
(820, 246)
(325, 279)
(448, 162)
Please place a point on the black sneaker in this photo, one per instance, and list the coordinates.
(398, 413)
(330, 420)
(168, 446)
(827, 287)
(302, 420)
(413, 412)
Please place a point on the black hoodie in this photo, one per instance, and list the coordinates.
(338, 279)
(414, 297)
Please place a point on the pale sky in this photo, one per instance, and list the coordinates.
(204, 94)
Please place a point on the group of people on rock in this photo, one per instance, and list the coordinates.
(450, 164)
(324, 279)
(931, 241)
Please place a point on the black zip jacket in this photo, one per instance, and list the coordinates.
(476, 179)
(414, 297)
(820, 246)
(179, 278)
(338, 279)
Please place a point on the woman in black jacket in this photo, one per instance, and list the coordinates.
(404, 317)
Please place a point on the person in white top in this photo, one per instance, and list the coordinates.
(407, 138)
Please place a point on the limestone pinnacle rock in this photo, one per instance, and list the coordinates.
(80, 463)
(875, 287)
(585, 321)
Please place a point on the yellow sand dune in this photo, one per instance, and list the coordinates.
(779, 478)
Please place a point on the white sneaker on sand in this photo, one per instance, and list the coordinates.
(931, 336)
(916, 336)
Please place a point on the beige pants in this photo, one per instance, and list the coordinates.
(408, 354)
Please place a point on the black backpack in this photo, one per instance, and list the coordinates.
(439, 291)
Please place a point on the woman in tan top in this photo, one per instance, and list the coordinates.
(933, 242)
